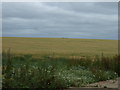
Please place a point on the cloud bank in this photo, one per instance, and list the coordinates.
(96, 20)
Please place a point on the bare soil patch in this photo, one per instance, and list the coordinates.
(106, 84)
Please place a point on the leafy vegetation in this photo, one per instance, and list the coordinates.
(56, 72)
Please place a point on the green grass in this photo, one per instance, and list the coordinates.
(51, 72)
(60, 46)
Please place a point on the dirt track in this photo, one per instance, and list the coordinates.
(106, 84)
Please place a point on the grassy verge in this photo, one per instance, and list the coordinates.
(50, 72)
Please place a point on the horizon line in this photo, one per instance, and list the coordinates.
(59, 37)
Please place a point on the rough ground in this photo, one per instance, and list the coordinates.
(106, 84)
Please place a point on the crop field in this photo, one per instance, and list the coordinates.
(45, 62)
(60, 46)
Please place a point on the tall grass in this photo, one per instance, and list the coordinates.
(51, 72)
(99, 63)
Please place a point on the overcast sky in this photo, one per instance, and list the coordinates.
(92, 20)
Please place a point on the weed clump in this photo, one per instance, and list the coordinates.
(27, 72)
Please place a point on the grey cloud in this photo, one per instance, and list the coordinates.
(86, 20)
(94, 7)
